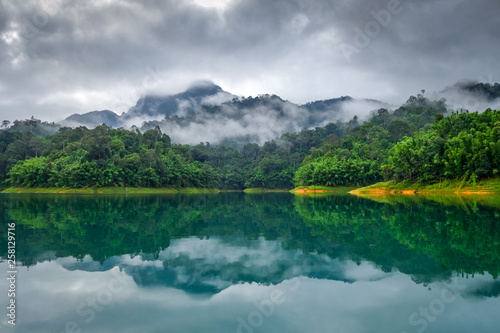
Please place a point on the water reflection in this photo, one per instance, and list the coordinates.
(377, 302)
(254, 263)
(208, 266)
(426, 239)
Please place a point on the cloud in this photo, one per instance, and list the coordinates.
(217, 99)
(99, 55)
(363, 109)
(51, 295)
(186, 265)
(268, 119)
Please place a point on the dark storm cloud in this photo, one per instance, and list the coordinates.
(59, 57)
(3, 21)
(433, 43)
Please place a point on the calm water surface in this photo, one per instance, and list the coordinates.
(252, 263)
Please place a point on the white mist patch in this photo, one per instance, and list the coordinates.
(218, 4)
(461, 99)
(360, 108)
(217, 99)
(365, 271)
(73, 124)
(137, 121)
(260, 253)
(184, 106)
(262, 123)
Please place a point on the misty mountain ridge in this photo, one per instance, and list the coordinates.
(470, 95)
(198, 94)
(152, 107)
(487, 91)
(205, 112)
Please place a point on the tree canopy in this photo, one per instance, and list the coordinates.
(415, 142)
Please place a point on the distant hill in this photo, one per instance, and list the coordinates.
(34, 126)
(471, 95)
(328, 104)
(92, 119)
(487, 91)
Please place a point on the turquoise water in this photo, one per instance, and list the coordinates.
(234, 262)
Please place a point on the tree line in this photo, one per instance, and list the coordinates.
(105, 156)
(415, 142)
(361, 157)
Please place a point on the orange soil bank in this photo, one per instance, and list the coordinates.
(383, 190)
(308, 191)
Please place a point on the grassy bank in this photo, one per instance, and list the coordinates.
(468, 201)
(314, 189)
(263, 190)
(486, 186)
(109, 190)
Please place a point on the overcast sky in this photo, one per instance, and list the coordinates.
(59, 57)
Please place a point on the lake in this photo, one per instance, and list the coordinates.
(235, 262)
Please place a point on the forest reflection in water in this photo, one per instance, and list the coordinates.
(209, 245)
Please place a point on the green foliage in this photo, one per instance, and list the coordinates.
(32, 172)
(339, 154)
(102, 157)
(458, 146)
(331, 171)
(354, 160)
(463, 145)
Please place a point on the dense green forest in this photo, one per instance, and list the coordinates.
(460, 146)
(104, 156)
(415, 142)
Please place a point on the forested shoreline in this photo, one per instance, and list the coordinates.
(415, 143)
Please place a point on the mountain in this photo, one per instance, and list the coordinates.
(92, 119)
(152, 107)
(205, 112)
(325, 105)
(200, 93)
